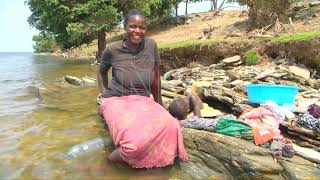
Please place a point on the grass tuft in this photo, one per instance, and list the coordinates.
(251, 57)
(188, 43)
(297, 37)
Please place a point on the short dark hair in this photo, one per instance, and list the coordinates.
(132, 12)
(179, 108)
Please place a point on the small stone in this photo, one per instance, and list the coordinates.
(264, 74)
(189, 21)
(237, 82)
(203, 84)
(232, 59)
(314, 3)
(299, 71)
(227, 85)
(175, 82)
(233, 75)
(240, 89)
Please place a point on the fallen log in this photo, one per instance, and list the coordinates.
(309, 154)
(166, 86)
(304, 138)
(170, 94)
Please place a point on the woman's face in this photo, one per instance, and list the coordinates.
(136, 29)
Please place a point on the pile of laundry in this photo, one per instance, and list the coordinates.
(259, 125)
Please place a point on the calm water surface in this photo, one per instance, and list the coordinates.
(40, 119)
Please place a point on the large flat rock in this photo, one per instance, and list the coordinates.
(229, 155)
(298, 168)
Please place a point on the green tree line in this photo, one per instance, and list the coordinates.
(71, 23)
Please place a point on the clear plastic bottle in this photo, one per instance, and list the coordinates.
(88, 146)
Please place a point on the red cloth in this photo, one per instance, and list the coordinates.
(264, 123)
(145, 133)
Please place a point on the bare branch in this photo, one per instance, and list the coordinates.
(220, 7)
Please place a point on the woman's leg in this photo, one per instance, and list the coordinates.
(115, 156)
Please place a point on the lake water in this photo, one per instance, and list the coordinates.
(40, 119)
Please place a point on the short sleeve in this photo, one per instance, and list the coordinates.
(106, 57)
(156, 55)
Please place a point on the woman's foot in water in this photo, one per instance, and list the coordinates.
(115, 156)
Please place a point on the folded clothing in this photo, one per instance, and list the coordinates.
(195, 122)
(230, 126)
(308, 121)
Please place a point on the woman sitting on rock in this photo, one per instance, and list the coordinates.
(144, 133)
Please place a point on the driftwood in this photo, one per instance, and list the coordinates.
(176, 89)
(300, 130)
(302, 137)
(228, 97)
(170, 94)
(168, 75)
(309, 154)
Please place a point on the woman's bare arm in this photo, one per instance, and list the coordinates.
(156, 86)
(102, 76)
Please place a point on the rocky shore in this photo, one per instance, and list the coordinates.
(222, 87)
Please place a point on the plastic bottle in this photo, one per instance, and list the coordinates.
(86, 147)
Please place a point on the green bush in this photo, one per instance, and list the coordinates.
(251, 57)
(44, 43)
(265, 12)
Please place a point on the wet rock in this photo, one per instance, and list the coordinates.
(88, 81)
(74, 80)
(199, 171)
(264, 74)
(240, 158)
(299, 71)
(85, 81)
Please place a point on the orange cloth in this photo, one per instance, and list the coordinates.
(264, 123)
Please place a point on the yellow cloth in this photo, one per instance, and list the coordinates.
(208, 111)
